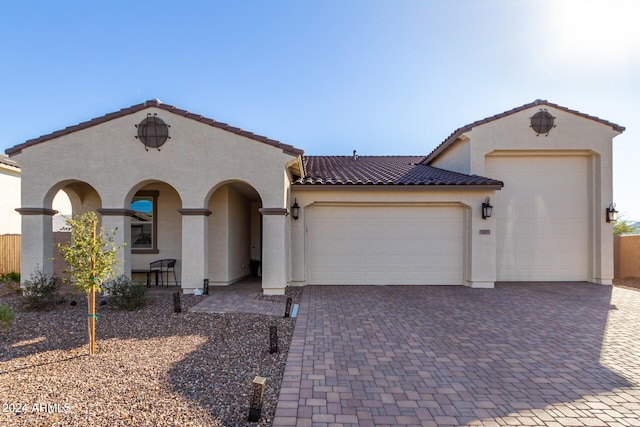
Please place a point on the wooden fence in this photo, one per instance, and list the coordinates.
(9, 253)
(626, 257)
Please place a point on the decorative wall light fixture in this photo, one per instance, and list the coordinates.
(295, 209)
(487, 209)
(612, 213)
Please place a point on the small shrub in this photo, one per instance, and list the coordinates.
(40, 292)
(10, 277)
(124, 294)
(6, 316)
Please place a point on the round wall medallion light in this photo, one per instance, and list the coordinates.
(152, 132)
(542, 122)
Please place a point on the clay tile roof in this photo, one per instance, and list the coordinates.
(7, 161)
(288, 149)
(383, 170)
(538, 102)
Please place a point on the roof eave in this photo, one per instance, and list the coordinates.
(451, 139)
(154, 103)
(396, 187)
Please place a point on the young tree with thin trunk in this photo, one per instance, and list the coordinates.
(92, 257)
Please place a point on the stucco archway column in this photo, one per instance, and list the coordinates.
(195, 248)
(273, 250)
(120, 221)
(36, 241)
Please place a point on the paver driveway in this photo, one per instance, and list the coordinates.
(521, 354)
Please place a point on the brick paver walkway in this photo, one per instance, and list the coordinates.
(553, 354)
(241, 297)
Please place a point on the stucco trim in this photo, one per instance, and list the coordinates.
(542, 153)
(36, 211)
(194, 211)
(116, 212)
(273, 211)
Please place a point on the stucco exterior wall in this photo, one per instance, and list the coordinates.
(513, 133)
(229, 236)
(219, 237)
(212, 229)
(116, 164)
(169, 226)
(256, 232)
(108, 159)
(239, 249)
(9, 199)
(572, 136)
(457, 158)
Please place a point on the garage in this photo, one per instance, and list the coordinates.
(543, 217)
(382, 244)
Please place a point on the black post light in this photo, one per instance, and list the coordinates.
(487, 209)
(255, 404)
(612, 213)
(295, 209)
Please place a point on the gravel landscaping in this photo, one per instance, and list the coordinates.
(628, 283)
(152, 366)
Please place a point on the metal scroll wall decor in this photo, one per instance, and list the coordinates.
(153, 132)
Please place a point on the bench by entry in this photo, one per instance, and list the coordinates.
(160, 269)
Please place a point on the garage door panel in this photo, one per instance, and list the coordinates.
(384, 245)
(541, 217)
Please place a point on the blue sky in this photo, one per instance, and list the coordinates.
(382, 77)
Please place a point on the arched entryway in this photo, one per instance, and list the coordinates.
(38, 231)
(72, 199)
(235, 232)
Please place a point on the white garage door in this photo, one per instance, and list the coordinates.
(385, 245)
(541, 218)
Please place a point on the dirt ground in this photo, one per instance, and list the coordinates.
(629, 283)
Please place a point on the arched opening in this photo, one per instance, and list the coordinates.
(235, 232)
(69, 198)
(155, 227)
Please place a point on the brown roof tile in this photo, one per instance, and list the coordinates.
(289, 149)
(383, 170)
(451, 138)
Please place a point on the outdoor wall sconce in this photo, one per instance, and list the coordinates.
(487, 209)
(295, 209)
(612, 213)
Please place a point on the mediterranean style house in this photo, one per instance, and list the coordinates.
(524, 195)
